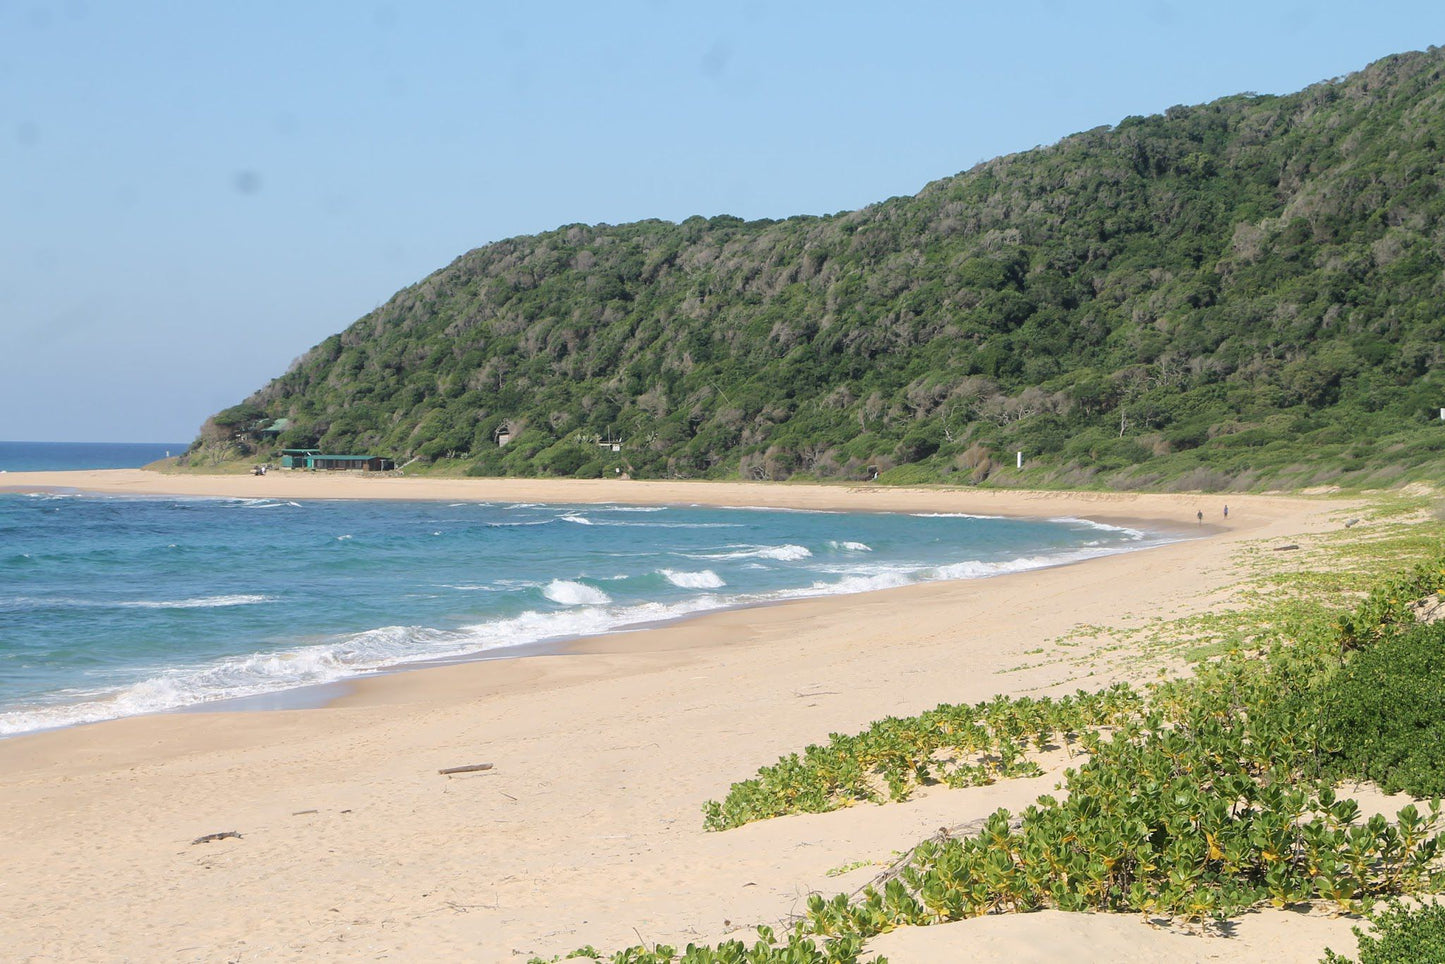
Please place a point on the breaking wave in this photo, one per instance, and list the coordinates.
(783, 553)
(706, 579)
(570, 593)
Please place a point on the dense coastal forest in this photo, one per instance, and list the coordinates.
(1242, 293)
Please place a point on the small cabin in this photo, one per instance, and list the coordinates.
(341, 463)
(297, 458)
(319, 461)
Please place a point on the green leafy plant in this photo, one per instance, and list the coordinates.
(954, 744)
(1198, 803)
(1402, 935)
(1383, 715)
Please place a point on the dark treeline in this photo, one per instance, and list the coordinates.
(1243, 292)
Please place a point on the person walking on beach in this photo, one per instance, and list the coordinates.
(1226, 512)
(1200, 516)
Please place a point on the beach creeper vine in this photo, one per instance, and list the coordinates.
(1207, 797)
(956, 744)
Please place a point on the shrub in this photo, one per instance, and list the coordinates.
(1383, 714)
(1402, 936)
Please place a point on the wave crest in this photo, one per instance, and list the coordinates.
(570, 593)
(706, 579)
(783, 553)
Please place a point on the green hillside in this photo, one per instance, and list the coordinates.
(1242, 293)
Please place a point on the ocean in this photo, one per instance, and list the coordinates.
(115, 606)
(74, 456)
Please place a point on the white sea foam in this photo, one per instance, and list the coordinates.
(788, 553)
(953, 515)
(203, 602)
(783, 553)
(70, 602)
(981, 570)
(847, 546)
(865, 569)
(706, 579)
(1102, 526)
(867, 579)
(858, 583)
(233, 678)
(260, 673)
(575, 593)
(343, 538)
(582, 520)
(532, 627)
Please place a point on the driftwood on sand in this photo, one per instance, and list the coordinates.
(472, 768)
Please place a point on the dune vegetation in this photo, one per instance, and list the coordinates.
(1194, 798)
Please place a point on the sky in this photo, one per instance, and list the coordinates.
(192, 194)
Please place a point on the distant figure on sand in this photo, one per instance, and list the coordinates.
(1200, 516)
(1226, 512)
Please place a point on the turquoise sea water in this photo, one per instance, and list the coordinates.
(113, 606)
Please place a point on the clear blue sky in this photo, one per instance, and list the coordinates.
(193, 193)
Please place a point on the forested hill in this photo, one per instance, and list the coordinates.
(1243, 292)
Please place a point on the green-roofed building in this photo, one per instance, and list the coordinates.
(318, 461)
(298, 458)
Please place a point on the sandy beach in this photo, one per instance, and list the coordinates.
(588, 828)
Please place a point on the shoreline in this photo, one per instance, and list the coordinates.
(322, 695)
(141, 483)
(1158, 509)
(590, 823)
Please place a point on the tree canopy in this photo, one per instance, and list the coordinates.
(1246, 291)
